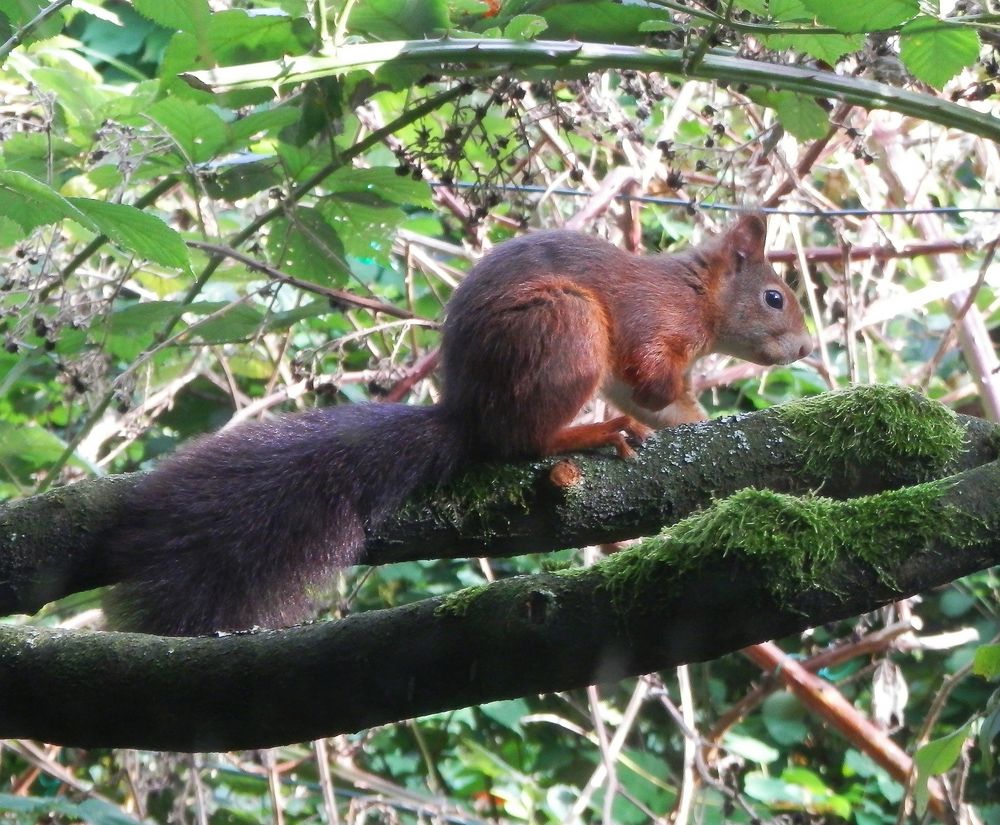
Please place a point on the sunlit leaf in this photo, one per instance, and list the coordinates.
(862, 15)
(935, 52)
(936, 757)
(30, 203)
(136, 231)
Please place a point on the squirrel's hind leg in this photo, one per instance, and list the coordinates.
(523, 364)
(612, 433)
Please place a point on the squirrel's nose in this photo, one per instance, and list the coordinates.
(805, 349)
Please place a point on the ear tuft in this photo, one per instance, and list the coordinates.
(746, 237)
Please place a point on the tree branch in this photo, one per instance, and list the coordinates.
(630, 614)
(869, 439)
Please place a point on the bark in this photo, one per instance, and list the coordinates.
(519, 636)
(50, 545)
(640, 610)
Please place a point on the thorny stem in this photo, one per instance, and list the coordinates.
(18, 37)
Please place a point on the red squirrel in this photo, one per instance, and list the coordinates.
(230, 532)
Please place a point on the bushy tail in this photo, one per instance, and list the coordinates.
(232, 531)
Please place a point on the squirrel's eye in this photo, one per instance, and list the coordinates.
(774, 299)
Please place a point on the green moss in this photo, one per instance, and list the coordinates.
(795, 542)
(458, 603)
(874, 428)
(472, 500)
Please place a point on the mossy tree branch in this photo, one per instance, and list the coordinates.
(710, 585)
(630, 614)
(852, 443)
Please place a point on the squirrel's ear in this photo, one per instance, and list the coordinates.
(746, 237)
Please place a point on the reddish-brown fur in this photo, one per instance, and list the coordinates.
(232, 530)
(546, 320)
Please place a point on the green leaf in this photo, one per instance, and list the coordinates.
(783, 717)
(18, 12)
(183, 15)
(862, 15)
(268, 120)
(383, 182)
(525, 27)
(30, 203)
(237, 36)
(306, 245)
(94, 811)
(234, 178)
(400, 19)
(507, 713)
(238, 323)
(30, 445)
(753, 750)
(987, 662)
(601, 21)
(800, 115)
(826, 47)
(656, 26)
(78, 92)
(136, 231)
(197, 129)
(798, 789)
(15, 13)
(141, 318)
(936, 757)
(934, 52)
(365, 221)
(780, 11)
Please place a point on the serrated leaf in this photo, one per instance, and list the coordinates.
(936, 757)
(78, 92)
(381, 182)
(136, 231)
(860, 16)
(183, 15)
(365, 221)
(780, 11)
(601, 21)
(30, 203)
(198, 130)
(826, 47)
(142, 317)
(987, 661)
(306, 245)
(800, 115)
(19, 12)
(525, 27)
(934, 52)
(15, 13)
(656, 26)
(239, 35)
(400, 19)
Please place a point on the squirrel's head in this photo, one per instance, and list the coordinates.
(760, 319)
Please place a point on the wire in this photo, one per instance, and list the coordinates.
(728, 207)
